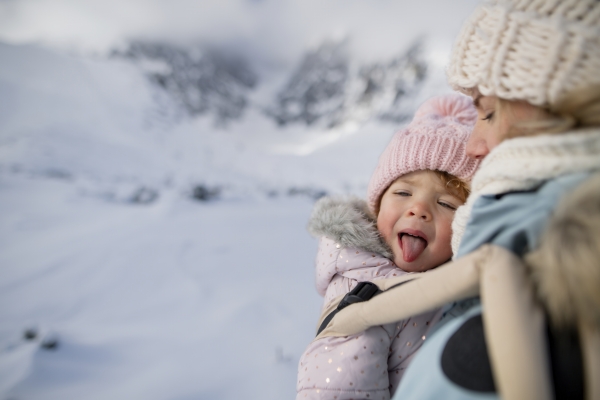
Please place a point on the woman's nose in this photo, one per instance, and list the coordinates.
(476, 147)
(477, 150)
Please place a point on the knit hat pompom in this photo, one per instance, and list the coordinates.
(458, 107)
(435, 140)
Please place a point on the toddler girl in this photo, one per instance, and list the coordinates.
(405, 227)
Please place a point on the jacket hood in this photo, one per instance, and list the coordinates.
(349, 222)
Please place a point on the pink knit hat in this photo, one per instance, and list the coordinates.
(435, 140)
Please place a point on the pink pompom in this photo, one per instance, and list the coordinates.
(450, 105)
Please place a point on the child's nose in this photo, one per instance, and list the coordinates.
(420, 210)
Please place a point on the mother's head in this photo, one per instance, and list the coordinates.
(531, 67)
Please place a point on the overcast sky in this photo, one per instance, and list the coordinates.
(271, 28)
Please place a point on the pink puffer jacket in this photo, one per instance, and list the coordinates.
(368, 365)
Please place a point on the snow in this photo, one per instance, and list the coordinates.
(173, 300)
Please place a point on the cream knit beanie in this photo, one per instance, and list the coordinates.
(539, 51)
(434, 140)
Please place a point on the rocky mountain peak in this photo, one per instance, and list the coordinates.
(328, 88)
(331, 89)
(201, 80)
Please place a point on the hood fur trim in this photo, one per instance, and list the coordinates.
(565, 267)
(348, 222)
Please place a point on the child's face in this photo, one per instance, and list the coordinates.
(415, 220)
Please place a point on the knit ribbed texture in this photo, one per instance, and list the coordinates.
(434, 140)
(539, 51)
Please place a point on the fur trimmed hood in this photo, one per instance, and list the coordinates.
(349, 222)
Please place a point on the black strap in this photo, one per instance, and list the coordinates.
(363, 291)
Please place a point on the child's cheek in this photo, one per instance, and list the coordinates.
(386, 235)
(384, 227)
(444, 233)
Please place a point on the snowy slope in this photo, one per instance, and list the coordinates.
(176, 300)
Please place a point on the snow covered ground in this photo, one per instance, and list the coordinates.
(173, 300)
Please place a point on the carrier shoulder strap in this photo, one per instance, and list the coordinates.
(363, 291)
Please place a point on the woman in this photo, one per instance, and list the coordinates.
(531, 67)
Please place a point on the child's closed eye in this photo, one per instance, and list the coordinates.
(447, 205)
(403, 193)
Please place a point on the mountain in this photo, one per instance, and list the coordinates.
(316, 88)
(204, 122)
(329, 87)
(200, 80)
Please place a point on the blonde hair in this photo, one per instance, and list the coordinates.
(580, 109)
(454, 186)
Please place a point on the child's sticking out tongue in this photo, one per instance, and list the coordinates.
(412, 247)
